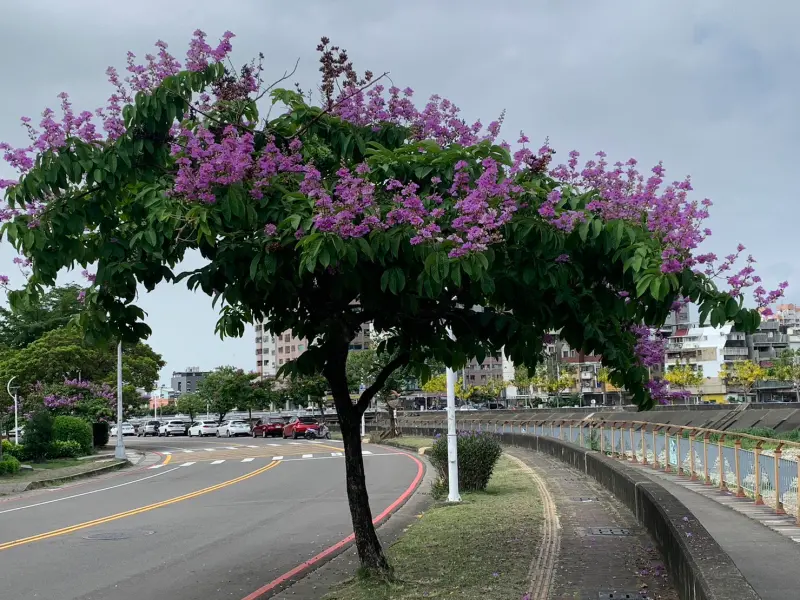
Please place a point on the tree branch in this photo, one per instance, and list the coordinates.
(369, 393)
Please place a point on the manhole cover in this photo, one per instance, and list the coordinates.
(608, 531)
(116, 535)
(583, 499)
(623, 596)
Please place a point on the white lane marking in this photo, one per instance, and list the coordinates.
(252, 446)
(329, 457)
(366, 452)
(314, 442)
(188, 451)
(267, 445)
(156, 466)
(165, 452)
(217, 462)
(336, 454)
(307, 455)
(187, 464)
(232, 447)
(113, 487)
(248, 459)
(210, 449)
(277, 458)
(296, 443)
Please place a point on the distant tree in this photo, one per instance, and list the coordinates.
(744, 374)
(308, 388)
(684, 377)
(22, 325)
(191, 404)
(224, 388)
(787, 368)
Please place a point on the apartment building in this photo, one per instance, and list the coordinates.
(769, 340)
(274, 351)
(187, 381)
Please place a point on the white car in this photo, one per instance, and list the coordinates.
(127, 429)
(233, 428)
(203, 428)
(172, 428)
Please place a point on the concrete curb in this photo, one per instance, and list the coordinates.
(700, 568)
(13, 488)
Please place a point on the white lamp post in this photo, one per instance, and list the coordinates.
(452, 439)
(16, 408)
(119, 451)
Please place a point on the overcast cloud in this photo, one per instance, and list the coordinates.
(707, 86)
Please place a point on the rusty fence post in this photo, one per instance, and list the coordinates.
(666, 450)
(678, 457)
(633, 445)
(723, 485)
(777, 481)
(602, 438)
(692, 472)
(655, 446)
(757, 486)
(706, 474)
(737, 448)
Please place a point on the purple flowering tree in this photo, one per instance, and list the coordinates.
(356, 205)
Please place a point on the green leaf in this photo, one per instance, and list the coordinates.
(655, 287)
(98, 175)
(422, 172)
(731, 308)
(597, 227)
(643, 284)
(583, 230)
(151, 237)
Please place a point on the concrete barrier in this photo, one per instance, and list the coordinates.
(699, 567)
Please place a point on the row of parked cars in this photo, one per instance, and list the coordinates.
(286, 427)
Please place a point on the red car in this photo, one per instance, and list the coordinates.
(298, 426)
(268, 428)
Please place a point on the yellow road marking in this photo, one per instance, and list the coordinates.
(169, 458)
(136, 511)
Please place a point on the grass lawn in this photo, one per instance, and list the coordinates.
(409, 442)
(479, 549)
(51, 469)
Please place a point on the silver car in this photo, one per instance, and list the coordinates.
(148, 428)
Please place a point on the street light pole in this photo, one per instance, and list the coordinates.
(16, 408)
(452, 439)
(119, 452)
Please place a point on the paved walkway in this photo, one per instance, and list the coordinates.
(602, 551)
(763, 545)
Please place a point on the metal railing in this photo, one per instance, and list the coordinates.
(715, 458)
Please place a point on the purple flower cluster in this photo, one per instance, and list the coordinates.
(660, 392)
(650, 347)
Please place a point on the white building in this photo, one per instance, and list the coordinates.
(266, 351)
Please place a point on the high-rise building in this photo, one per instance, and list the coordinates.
(266, 351)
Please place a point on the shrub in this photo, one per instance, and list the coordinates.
(38, 435)
(73, 429)
(100, 434)
(9, 465)
(477, 455)
(15, 450)
(65, 449)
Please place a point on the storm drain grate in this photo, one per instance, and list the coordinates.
(608, 531)
(583, 499)
(623, 596)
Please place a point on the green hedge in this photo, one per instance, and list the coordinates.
(9, 465)
(12, 449)
(74, 429)
(65, 449)
(477, 455)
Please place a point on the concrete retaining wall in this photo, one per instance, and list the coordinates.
(700, 569)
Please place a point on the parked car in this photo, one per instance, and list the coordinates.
(297, 427)
(148, 428)
(202, 428)
(233, 428)
(127, 429)
(272, 427)
(172, 428)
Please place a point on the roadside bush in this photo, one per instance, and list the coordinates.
(12, 449)
(65, 449)
(38, 435)
(477, 455)
(73, 429)
(9, 465)
(100, 434)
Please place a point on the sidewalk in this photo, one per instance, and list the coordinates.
(764, 546)
(602, 551)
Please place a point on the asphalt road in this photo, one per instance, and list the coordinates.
(201, 519)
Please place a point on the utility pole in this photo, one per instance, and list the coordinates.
(119, 452)
(16, 408)
(452, 439)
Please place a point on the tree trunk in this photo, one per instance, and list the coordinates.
(370, 551)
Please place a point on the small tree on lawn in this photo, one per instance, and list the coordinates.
(787, 368)
(325, 215)
(224, 388)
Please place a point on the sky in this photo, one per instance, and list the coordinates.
(709, 87)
